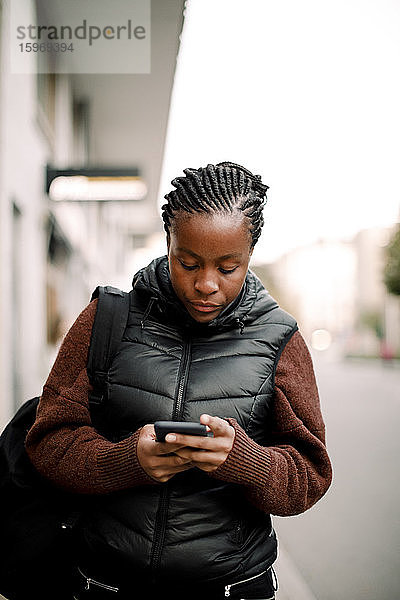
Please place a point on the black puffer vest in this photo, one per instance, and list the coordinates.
(171, 368)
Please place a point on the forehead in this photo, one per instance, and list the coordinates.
(212, 234)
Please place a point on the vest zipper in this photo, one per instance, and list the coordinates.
(160, 529)
(99, 584)
(160, 526)
(177, 412)
(228, 587)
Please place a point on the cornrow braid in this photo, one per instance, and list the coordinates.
(225, 186)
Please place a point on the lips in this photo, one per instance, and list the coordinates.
(205, 306)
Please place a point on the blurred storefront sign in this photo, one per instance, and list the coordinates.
(95, 185)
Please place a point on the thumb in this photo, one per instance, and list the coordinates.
(217, 425)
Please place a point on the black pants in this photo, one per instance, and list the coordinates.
(260, 587)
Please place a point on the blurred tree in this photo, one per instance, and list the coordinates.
(391, 273)
(373, 320)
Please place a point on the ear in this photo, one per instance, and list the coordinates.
(168, 240)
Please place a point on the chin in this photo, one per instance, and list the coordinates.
(203, 318)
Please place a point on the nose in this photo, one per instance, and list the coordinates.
(206, 283)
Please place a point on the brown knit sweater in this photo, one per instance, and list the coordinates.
(285, 478)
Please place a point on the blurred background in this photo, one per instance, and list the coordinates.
(307, 95)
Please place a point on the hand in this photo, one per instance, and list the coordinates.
(156, 458)
(206, 453)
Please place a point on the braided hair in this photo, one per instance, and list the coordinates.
(224, 187)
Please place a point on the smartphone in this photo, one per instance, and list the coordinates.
(162, 428)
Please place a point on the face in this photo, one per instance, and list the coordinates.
(208, 261)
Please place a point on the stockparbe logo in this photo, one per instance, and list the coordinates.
(81, 36)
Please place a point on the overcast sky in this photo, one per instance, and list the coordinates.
(305, 93)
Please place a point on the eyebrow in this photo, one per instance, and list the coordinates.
(225, 257)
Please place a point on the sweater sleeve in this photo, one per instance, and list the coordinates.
(294, 471)
(62, 444)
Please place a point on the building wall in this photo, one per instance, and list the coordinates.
(52, 255)
(23, 152)
(318, 282)
(338, 286)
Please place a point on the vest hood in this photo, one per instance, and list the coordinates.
(153, 283)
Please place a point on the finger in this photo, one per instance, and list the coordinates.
(173, 461)
(194, 441)
(185, 453)
(162, 475)
(207, 461)
(218, 426)
(162, 448)
(185, 467)
(159, 448)
(164, 471)
(202, 456)
(177, 460)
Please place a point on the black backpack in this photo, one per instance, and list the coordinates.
(38, 521)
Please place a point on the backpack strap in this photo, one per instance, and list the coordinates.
(108, 328)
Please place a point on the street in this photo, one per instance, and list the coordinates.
(347, 547)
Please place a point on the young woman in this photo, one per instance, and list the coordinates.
(189, 518)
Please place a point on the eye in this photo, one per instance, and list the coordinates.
(187, 267)
(227, 271)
